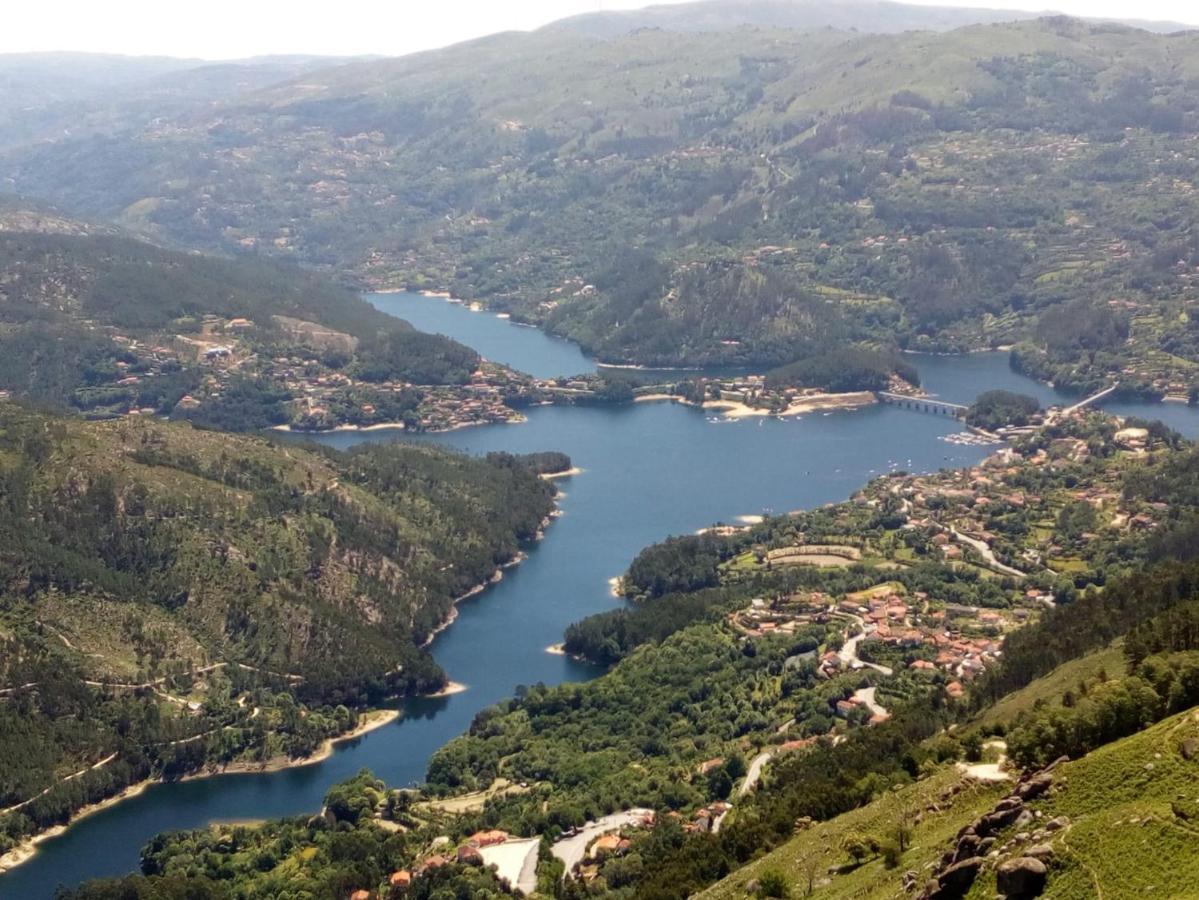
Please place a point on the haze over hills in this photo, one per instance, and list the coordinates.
(869, 16)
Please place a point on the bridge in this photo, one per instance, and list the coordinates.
(924, 404)
(1089, 400)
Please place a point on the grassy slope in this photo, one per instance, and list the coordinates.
(1051, 687)
(1124, 839)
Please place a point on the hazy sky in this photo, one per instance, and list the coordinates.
(233, 28)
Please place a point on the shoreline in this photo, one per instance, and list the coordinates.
(451, 688)
(735, 409)
(565, 473)
(27, 849)
(371, 720)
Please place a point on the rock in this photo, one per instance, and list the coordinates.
(1034, 787)
(910, 880)
(1040, 851)
(967, 847)
(752, 886)
(1024, 819)
(1057, 824)
(996, 821)
(985, 845)
(1189, 748)
(1008, 803)
(1057, 762)
(953, 883)
(1023, 876)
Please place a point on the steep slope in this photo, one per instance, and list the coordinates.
(331, 566)
(172, 599)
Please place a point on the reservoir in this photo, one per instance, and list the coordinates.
(649, 470)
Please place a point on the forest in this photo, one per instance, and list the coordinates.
(157, 577)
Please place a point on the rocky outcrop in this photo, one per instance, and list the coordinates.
(1020, 877)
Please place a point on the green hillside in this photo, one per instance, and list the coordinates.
(932, 190)
(1127, 808)
(157, 578)
(98, 322)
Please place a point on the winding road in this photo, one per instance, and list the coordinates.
(573, 849)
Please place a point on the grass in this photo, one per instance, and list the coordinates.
(474, 802)
(1049, 689)
(1132, 811)
(819, 848)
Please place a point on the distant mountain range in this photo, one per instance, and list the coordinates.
(869, 16)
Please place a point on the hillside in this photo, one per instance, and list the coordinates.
(799, 189)
(98, 322)
(1120, 829)
(156, 577)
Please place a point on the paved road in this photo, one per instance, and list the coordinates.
(848, 654)
(572, 849)
(985, 552)
(866, 696)
(754, 774)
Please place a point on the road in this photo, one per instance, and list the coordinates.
(985, 552)
(865, 696)
(848, 654)
(571, 850)
(754, 774)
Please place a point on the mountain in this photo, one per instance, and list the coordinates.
(172, 598)
(867, 16)
(795, 191)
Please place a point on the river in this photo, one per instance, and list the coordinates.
(649, 470)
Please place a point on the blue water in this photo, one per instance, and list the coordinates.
(650, 470)
(499, 340)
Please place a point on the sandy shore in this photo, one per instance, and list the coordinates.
(370, 721)
(382, 426)
(734, 409)
(449, 690)
(565, 473)
(26, 850)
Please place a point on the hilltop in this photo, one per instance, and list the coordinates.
(870, 16)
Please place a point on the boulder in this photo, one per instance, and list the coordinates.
(1189, 748)
(1042, 852)
(967, 847)
(1021, 877)
(997, 821)
(1057, 824)
(1034, 787)
(954, 883)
